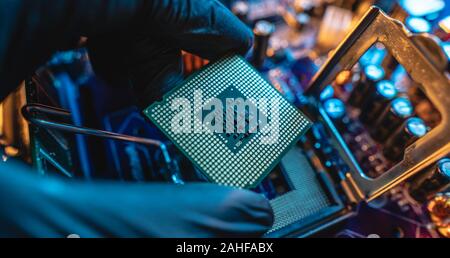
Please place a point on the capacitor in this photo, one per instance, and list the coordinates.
(378, 98)
(370, 75)
(406, 8)
(310, 7)
(391, 118)
(241, 10)
(327, 93)
(304, 68)
(398, 232)
(433, 181)
(408, 133)
(418, 25)
(295, 20)
(389, 64)
(336, 110)
(263, 30)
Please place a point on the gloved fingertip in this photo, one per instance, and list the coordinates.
(248, 40)
(241, 33)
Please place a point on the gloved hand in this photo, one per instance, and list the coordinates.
(148, 56)
(131, 42)
(33, 206)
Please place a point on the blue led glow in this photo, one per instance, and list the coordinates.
(398, 74)
(374, 55)
(386, 89)
(418, 25)
(402, 107)
(446, 48)
(444, 166)
(335, 108)
(416, 126)
(422, 7)
(374, 72)
(327, 93)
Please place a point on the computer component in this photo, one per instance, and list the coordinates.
(428, 184)
(376, 27)
(241, 130)
(357, 123)
(408, 133)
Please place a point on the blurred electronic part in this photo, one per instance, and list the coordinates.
(233, 122)
(264, 10)
(446, 48)
(436, 179)
(241, 10)
(263, 31)
(335, 109)
(373, 163)
(314, 8)
(295, 20)
(418, 25)
(391, 118)
(286, 83)
(304, 69)
(14, 132)
(370, 75)
(378, 97)
(443, 29)
(417, 8)
(133, 161)
(439, 209)
(335, 25)
(413, 129)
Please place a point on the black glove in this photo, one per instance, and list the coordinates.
(33, 206)
(148, 54)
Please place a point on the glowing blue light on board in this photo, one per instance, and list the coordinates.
(373, 56)
(416, 126)
(386, 89)
(402, 107)
(374, 72)
(418, 25)
(422, 7)
(335, 108)
(327, 93)
(446, 48)
(444, 166)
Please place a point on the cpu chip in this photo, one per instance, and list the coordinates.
(230, 122)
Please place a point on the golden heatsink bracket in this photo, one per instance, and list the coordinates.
(375, 27)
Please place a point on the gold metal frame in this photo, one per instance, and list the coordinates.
(374, 27)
